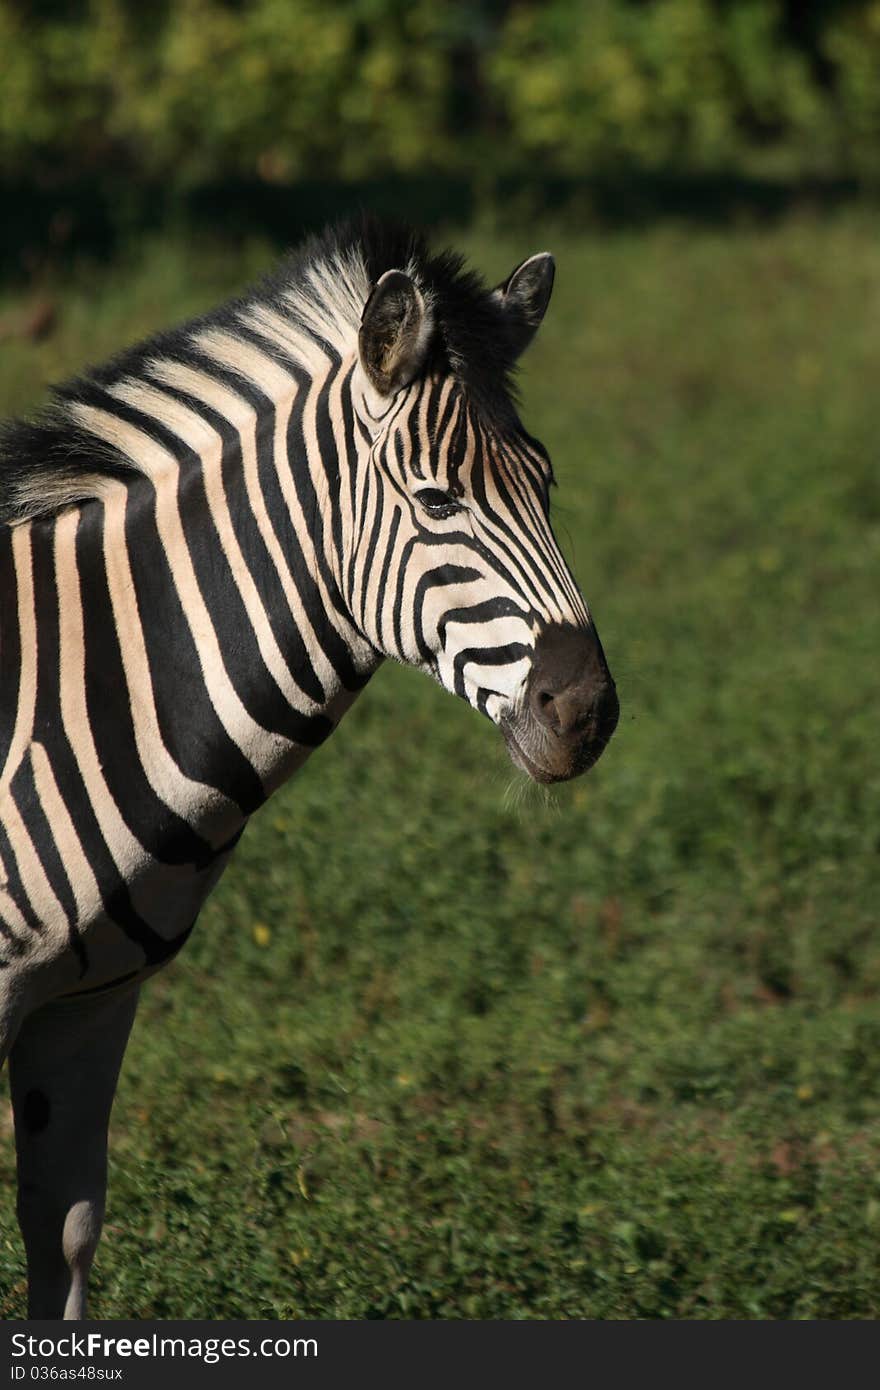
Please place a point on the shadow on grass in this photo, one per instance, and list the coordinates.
(48, 225)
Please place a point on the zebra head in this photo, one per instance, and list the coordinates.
(453, 564)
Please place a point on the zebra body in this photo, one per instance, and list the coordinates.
(208, 547)
(116, 819)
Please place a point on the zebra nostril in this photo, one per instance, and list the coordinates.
(576, 709)
(571, 693)
(546, 709)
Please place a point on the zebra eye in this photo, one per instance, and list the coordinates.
(437, 503)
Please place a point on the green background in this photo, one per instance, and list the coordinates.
(281, 88)
(446, 1045)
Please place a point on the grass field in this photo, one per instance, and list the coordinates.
(446, 1046)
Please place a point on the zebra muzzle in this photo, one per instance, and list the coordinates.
(570, 709)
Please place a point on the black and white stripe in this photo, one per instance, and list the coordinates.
(209, 545)
(206, 549)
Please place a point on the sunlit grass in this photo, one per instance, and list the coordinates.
(448, 1045)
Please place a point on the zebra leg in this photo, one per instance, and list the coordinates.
(63, 1069)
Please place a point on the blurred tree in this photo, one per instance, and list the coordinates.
(279, 89)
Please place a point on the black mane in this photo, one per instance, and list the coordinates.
(472, 338)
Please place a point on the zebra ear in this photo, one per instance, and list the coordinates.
(394, 333)
(524, 296)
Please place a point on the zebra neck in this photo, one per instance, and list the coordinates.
(193, 648)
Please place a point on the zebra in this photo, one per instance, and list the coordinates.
(207, 547)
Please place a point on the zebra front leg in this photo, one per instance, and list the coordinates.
(63, 1069)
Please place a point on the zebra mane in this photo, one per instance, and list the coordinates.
(53, 459)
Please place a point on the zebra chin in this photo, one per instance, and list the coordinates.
(545, 761)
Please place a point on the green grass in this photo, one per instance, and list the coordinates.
(444, 1046)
